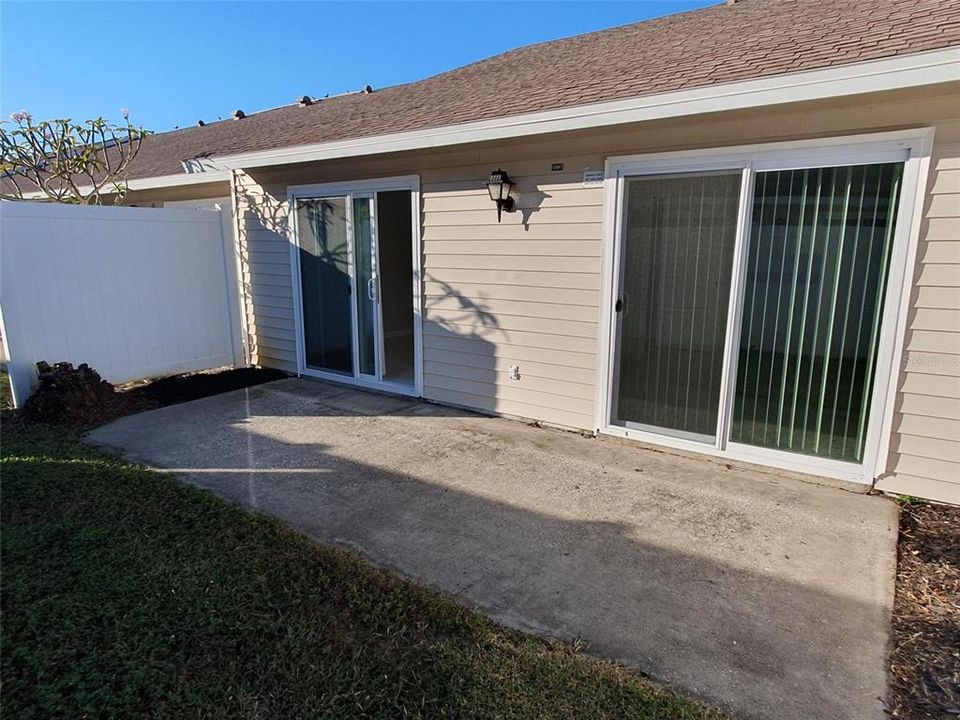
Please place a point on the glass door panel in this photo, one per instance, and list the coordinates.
(820, 243)
(323, 246)
(678, 239)
(367, 290)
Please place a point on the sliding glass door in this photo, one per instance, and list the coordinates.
(678, 241)
(753, 324)
(816, 274)
(355, 264)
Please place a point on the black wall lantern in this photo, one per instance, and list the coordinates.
(499, 186)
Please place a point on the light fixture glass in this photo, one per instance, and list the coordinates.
(500, 186)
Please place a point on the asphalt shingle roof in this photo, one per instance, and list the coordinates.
(718, 44)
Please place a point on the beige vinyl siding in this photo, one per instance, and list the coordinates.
(925, 446)
(268, 282)
(525, 291)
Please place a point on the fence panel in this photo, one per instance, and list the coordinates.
(133, 292)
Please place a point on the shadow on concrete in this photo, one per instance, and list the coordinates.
(766, 597)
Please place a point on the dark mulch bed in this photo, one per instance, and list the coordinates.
(78, 398)
(182, 388)
(925, 661)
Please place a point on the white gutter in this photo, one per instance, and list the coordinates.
(914, 70)
(194, 178)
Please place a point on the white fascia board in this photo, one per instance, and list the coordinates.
(162, 181)
(905, 71)
(151, 183)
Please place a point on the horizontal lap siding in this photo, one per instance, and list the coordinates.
(267, 279)
(523, 292)
(925, 447)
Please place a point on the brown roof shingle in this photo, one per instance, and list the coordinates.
(722, 43)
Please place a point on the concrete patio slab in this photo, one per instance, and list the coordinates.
(765, 595)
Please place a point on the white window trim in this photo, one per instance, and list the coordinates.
(359, 188)
(913, 147)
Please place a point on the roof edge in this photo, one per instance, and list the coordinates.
(154, 183)
(891, 73)
(194, 178)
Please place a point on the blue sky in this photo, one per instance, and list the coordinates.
(174, 63)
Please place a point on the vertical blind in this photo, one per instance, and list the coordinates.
(819, 250)
(678, 240)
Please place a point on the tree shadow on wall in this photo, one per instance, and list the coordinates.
(459, 332)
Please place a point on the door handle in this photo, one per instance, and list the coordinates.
(372, 288)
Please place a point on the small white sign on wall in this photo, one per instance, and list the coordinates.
(592, 178)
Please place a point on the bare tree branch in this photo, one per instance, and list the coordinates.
(67, 161)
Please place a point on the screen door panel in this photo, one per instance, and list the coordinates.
(678, 240)
(819, 251)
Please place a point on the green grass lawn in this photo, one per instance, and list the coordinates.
(127, 593)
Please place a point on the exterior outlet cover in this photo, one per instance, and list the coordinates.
(514, 372)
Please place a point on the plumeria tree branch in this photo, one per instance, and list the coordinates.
(65, 161)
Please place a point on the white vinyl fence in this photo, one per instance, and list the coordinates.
(133, 292)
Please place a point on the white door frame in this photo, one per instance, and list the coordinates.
(912, 147)
(361, 188)
(356, 289)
